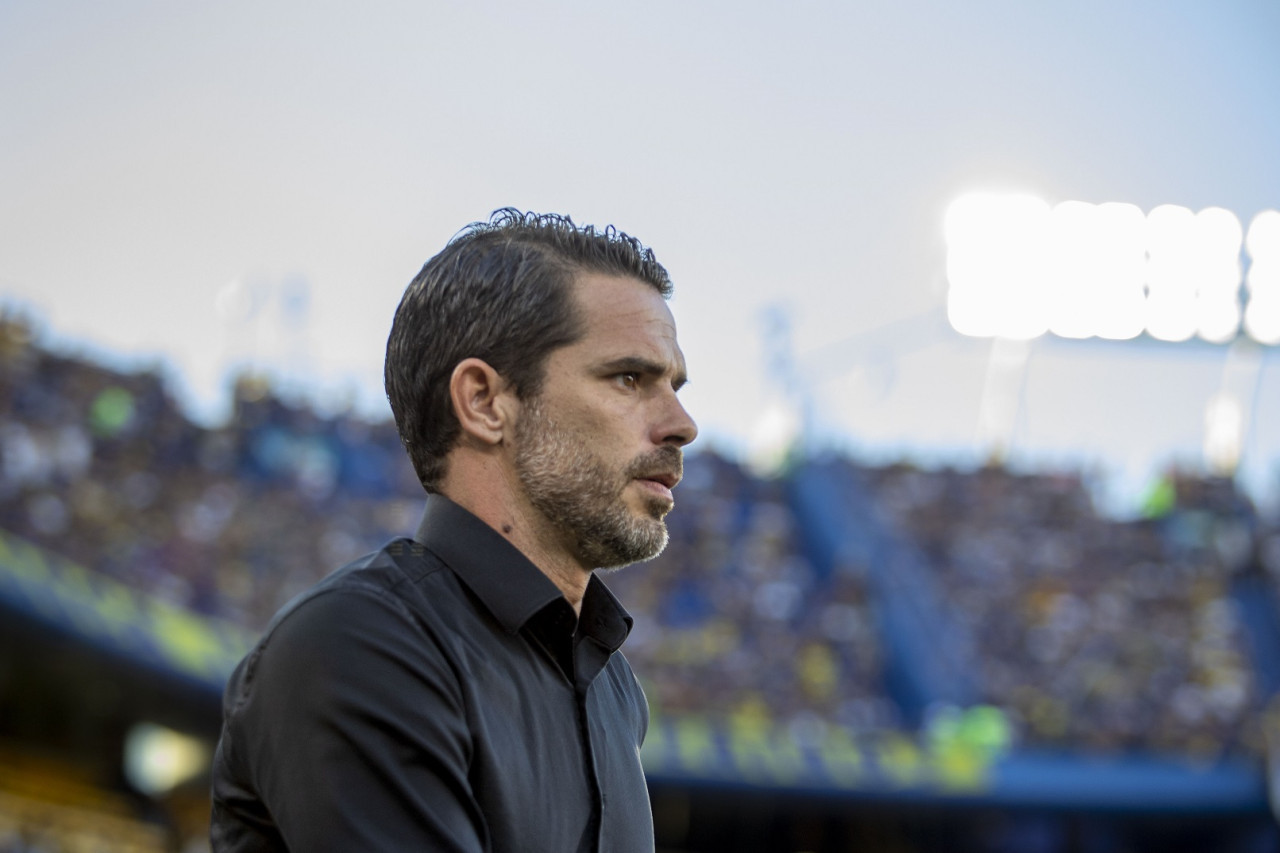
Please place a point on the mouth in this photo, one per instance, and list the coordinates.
(663, 478)
(659, 485)
(657, 473)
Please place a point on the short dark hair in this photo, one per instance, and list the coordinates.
(499, 291)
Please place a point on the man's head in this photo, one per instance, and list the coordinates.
(598, 450)
(501, 291)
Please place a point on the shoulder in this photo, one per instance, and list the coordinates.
(373, 612)
(402, 579)
(349, 678)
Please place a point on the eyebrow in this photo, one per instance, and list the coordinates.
(645, 366)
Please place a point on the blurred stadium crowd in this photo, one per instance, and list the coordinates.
(1086, 633)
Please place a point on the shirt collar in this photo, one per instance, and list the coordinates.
(505, 580)
(604, 619)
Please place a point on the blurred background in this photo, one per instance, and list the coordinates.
(979, 546)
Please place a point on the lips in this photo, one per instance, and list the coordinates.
(660, 470)
(668, 479)
(658, 484)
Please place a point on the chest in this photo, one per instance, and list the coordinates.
(553, 762)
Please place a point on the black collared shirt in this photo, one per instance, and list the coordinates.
(436, 695)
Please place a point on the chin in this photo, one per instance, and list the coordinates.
(653, 509)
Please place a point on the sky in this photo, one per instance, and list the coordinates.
(214, 186)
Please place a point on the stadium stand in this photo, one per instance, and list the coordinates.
(841, 635)
(1097, 635)
(47, 805)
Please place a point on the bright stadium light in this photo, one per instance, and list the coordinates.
(1224, 430)
(1097, 268)
(1017, 269)
(996, 258)
(1217, 274)
(1171, 289)
(158, 759)
(1262, 316)
(1264, 235)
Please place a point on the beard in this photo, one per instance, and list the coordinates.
(581, 495)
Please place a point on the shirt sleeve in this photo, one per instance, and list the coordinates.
(351, 728)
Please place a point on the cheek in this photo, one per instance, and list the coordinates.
(610, 428)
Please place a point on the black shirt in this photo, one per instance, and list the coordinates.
(436, 695)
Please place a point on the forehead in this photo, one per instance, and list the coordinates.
(620, 312)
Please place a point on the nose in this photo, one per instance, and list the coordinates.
(676, 426)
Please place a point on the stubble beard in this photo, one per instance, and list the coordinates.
(581, 496)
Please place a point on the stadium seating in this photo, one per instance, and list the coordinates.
(876, 625)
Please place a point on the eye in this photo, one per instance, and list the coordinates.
(628, 380)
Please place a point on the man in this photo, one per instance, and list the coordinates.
(463, 690)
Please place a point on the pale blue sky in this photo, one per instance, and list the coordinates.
(800, 154)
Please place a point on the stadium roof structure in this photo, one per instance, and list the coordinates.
(118, 620)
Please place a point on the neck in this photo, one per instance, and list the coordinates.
(489, 494)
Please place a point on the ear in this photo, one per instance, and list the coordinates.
(481, 400)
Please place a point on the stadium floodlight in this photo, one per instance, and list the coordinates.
(1223, 434)
(1193, 273)
(996, 254)
(1219, 238)
(158, 759)
(1096, 270)
(1017, 269)
(1262, 316)
(1171, 289)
